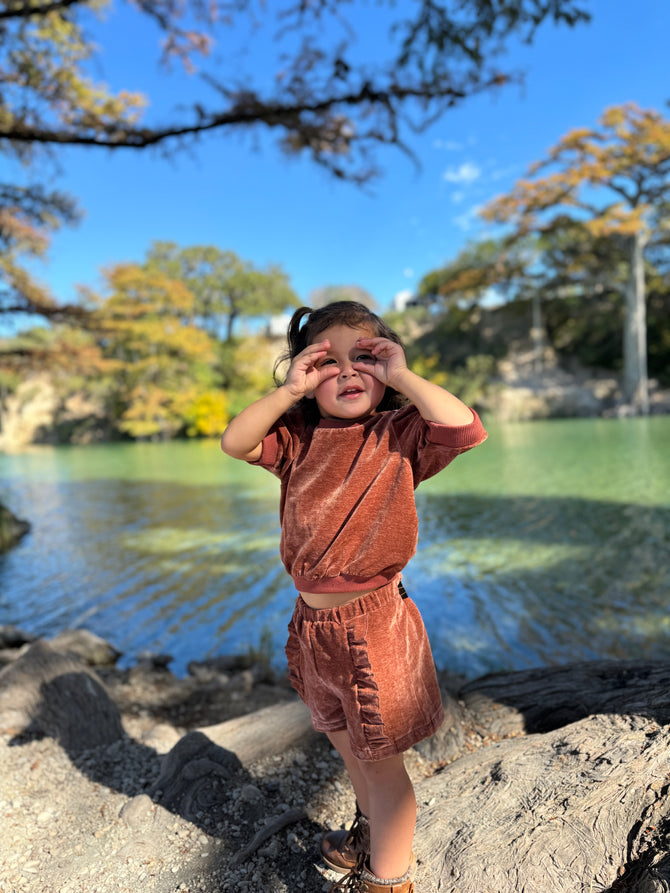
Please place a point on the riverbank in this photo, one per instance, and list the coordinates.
(81, 807)
(119, 780)
(519, 391)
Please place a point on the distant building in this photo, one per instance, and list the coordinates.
(278, 325)
(403, 299)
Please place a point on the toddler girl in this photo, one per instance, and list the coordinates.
(351, 432)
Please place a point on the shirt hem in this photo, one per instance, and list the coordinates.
(342, 583)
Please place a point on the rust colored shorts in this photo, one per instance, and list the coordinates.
(366, 667)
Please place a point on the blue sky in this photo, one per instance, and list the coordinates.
(242, 194)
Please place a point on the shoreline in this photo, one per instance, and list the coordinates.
(119, 780)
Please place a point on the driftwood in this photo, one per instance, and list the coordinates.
(576, 802)
(270, 828)
(547, 698)
(264, 733)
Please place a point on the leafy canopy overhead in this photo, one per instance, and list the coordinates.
(327, 94)
(324, 86)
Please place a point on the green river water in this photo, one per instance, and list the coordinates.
(549, 543)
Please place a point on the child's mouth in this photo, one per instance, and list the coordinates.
(351, 392)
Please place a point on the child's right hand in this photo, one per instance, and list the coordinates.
(304, 376)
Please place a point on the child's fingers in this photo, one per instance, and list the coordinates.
(326, 372)
(310, 355)
(316, 347)
(380, 346)
(377, 370)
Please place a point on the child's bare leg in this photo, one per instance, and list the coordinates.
(386, 796)
(340, 741)
(392, 816)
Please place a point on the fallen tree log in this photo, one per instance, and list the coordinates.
(265, 732)
(583, 807)
(547, 698)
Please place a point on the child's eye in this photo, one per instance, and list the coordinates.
(326, 362)
(365, 358)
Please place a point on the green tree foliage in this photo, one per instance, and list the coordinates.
(225, 287)
(165, 364)
(613, 180)
(568, 283)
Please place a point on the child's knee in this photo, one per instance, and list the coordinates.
(381, 770)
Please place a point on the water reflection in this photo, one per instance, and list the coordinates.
(502, 581)
(522, 581)
(549, 543)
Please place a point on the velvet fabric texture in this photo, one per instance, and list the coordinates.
(347, 511)
(366, 666)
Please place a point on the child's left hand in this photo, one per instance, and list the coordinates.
(387, 359)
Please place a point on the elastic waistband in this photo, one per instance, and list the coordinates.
(366, 604)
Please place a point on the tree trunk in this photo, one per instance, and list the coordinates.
(569, 796)
(537, 334)
(230, 322)
(635, 383)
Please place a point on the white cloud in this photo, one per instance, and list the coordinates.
(467, 172)
(448, 145)
(408, 273)
(457, 196)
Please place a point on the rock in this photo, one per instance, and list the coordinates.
(252, 802)
(154, 661)
(12, 637)
(251, 666)
(93, 650)
(138, 813)
(47, 693)
(11, 529)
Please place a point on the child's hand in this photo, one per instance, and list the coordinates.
(304, 376)
(387, 359)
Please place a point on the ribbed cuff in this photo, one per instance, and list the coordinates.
(384, 881)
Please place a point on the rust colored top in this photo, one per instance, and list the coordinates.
(347, 511)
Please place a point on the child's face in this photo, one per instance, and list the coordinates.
(351, 394)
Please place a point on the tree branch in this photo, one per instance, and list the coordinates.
(255, 112)
(28, 10)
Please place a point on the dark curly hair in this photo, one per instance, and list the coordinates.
(307, 324)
